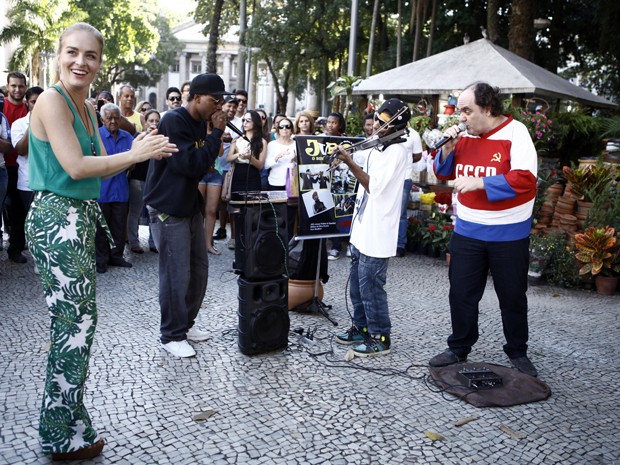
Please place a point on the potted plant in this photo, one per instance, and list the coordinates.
(598, 249)
(414, 234)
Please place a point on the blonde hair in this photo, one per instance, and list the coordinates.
(86, 28)
(310, 118)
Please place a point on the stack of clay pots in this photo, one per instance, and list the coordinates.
(583, 208)
(552, 194)
(565, 206)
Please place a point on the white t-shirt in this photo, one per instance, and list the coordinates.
(413, 145)
(18, 129)
(278, 169)
(374, 230)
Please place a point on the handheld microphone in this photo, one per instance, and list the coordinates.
(441, 142)
(236, 130)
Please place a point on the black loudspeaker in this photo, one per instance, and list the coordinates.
(261, 243)
(263, 315)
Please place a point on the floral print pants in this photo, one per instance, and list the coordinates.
(61, 238)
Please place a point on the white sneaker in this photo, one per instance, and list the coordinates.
(179, 349)
(196, 335)
(333, 254)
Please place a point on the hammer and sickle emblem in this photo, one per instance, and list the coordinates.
(497, 157)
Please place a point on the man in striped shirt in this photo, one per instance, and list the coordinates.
(494, 166)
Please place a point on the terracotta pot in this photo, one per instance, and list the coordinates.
(301, 292)
(606, 285)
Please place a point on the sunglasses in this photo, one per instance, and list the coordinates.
(217, 101)
(247, 120)
(242, 100)
(284, 126)
(143, 109)
(174, 99)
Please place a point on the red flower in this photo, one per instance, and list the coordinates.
(432, 227)
(444, 198)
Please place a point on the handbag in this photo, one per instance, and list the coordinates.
(292, 183)
(227, 183)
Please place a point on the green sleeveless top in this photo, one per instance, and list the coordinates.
(46, 173)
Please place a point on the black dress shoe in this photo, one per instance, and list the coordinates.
(121, 263)
(154, 249)
(400, 252)
(101, 268)
(17, 258)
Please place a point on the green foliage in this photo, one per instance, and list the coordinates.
(562, 269)
(420, 123)
(131, 36)
(610, 127)
(344, 85)
(354, 124)
(37, 24)
(300, 39)
(577, 134)
(606, 206)
(138, 44)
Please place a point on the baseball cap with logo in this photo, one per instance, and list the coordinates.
(208, 83)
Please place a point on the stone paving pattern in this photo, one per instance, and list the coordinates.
(293, 407)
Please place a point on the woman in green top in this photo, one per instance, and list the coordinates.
(66, 161)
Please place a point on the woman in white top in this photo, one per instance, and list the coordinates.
(280, 155)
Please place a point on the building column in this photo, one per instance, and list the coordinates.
(227, 71)
(290, 103)
(183, 74)
(312, 102)
(203, 62)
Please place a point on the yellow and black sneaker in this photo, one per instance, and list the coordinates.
(353, 335)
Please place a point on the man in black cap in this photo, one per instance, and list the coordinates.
(374, 230)
(175, 208)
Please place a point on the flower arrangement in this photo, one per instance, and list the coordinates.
(540, 127)
(414, 228)
(443, 200)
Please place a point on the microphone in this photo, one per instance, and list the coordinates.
(236, 130)
(441, 142)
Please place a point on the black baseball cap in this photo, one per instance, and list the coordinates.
(229, 99)
(208, 83)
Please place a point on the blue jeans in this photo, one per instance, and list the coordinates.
(4, 184)
(402, 225)
(470, 262)
(370, 306)
(183, 271)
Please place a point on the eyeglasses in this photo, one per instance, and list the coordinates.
(284, 126)
(174, 99)
(217, 101)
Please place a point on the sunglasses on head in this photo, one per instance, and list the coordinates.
(174, 99)
(284, 126)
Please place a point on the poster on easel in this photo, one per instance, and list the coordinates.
(326, 196)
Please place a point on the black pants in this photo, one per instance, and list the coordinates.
(16, 213)
(470, 263)
(115, 214)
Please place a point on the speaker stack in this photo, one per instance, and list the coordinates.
(260, 261)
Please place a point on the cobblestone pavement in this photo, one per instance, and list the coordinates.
(293, 407)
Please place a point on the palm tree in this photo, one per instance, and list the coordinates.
(37, 24)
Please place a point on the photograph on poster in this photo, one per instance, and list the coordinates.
(314, 177)
(317, 202)
(345, 203)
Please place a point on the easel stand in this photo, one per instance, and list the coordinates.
(317, 305)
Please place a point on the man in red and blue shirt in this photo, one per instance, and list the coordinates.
(494, 167)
